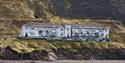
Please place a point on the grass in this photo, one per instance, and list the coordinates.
(15, 9)
(9, 10)
(26, 46)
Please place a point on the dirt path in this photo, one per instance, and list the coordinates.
(66, 61)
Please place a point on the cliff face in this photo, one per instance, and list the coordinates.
(97, 9)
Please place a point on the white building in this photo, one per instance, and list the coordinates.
(65, 31)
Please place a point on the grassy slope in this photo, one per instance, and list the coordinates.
(15, 9)
(12, 28)
(20, 9)
(25, 46)
(24, 9)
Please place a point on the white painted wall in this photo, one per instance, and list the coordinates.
(61, 32)
(67, 30)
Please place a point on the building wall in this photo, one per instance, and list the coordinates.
(30, 31)
(66, 31)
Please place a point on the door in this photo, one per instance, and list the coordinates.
(40, 33)
(26, 35)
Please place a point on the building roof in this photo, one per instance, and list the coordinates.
(34, 24)
(49, 25)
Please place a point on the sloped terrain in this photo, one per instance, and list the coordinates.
(93, 9)
(15, 9)
(60, 50)
(45, 9)
(15, 13)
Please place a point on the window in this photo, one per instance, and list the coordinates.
(100, 30)
(40, 32)
(102, 34)
(32, 28)
(26, 27)
(32, 33)
(61, 34)
(106, 30)
(92, 30)
(47, 31)
(26, 32)
(67, 29)
(61, 29)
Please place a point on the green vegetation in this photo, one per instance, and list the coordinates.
(40, 9)
(10, 29)
(24, 9)
(29, 45)
(15, 9)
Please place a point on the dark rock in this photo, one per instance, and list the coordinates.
(64, 54)
(9, 54)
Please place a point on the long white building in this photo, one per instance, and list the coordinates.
(65, 32)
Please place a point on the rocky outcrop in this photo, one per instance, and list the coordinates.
(64, 54)
(9, 54)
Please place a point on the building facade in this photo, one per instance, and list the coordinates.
(65, 32)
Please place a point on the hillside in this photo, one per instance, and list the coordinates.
(15, 13)
(60, 50)
(45, 9)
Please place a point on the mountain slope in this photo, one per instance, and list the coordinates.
(96, 9)
(15, 9)
(92, 9)
(20, 12)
